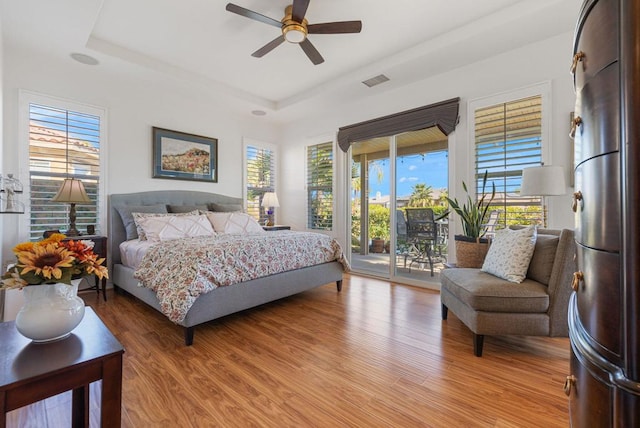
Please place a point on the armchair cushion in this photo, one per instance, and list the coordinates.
(484, 292)
(543, 257)
(510, 253)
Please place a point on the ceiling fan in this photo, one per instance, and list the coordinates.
(295, 28)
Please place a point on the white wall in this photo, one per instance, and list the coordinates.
(133, 106)
(543, 61)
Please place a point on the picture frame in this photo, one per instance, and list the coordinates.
(181, 156)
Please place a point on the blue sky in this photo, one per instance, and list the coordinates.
(431, 170)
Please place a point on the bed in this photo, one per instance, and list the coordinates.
(222, 300)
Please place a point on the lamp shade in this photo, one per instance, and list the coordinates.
(270, 199)
(72, 192)
(543, 181)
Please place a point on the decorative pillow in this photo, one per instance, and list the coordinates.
(165, 228)
(186, 208)
(510, 253)
(234, 223)
(544, 255)
(140, 230)
(225, 208)
(126, 214)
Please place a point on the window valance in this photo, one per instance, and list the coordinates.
(444, 115)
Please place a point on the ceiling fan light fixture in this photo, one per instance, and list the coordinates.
(294, 33)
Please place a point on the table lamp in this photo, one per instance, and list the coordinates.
(270, 201)
(543, 181)
(72, 192)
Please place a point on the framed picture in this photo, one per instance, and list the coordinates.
(184, 156)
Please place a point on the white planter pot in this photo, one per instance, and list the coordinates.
(50, 311)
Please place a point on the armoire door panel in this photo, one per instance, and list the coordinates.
(598, 106)
(597, 41)
(598, 295)
(589, 398)
(598, 213)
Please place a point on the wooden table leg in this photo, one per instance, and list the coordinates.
(80, 407)
(111, 406)
(104, 289)
(3, 420)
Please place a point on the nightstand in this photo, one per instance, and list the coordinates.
(100, 248)
(276, 227)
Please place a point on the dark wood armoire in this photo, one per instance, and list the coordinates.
(604, 311)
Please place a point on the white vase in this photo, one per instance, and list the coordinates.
(50, 311)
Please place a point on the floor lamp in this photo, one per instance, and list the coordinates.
(543, 181)
(72, 192)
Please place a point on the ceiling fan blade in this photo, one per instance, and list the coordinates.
(268, 47)
(252, 15)
(335, 27)
(311, 52)
(299, 9)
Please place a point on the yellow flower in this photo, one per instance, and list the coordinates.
(54, 237)
(45, 259)
(53, 259)
(24, 246)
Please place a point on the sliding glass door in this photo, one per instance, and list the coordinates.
(389, 176)
(370, 204)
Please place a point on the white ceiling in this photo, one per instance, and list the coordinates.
(198, 41)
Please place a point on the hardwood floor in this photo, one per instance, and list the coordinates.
(374, 355)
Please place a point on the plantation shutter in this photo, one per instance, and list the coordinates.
(508, 138)
(62, 144)
(320, 186)
(261, 167)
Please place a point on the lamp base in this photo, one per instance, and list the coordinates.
(72, 232)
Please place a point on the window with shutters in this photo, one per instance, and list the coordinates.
(508, 138)
(260, 167)
(63, 143)
(320, 186)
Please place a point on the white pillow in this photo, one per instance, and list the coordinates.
(165, 228)
(137, 216)
(510, 253)
(234, 222)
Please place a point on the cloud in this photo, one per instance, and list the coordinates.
(413, 178)
(413, 167)
(402, 179)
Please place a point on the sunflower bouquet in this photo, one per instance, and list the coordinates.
(53, 260)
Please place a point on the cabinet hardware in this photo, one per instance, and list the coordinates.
(577, 121)
(577, 196)
(578, 57)
(578, 277)
(568, 384)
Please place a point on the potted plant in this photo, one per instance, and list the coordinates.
(471, 247)
(45, 271)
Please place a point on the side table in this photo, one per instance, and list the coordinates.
(31, 372)
(276, 227)
(100, 248)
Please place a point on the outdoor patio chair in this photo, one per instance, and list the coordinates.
(422, 231)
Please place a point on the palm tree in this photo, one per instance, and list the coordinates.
(421, 196)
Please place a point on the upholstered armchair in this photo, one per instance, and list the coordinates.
(537, 306)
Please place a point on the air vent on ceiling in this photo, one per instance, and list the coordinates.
(380, 78)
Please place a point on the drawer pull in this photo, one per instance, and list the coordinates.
(578, 57)
(577, 121)
(578, 277)
(577, 196)
(568, 384)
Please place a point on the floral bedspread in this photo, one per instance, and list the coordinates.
(182, 269)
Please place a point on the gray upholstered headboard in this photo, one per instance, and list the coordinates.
(116, 232)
